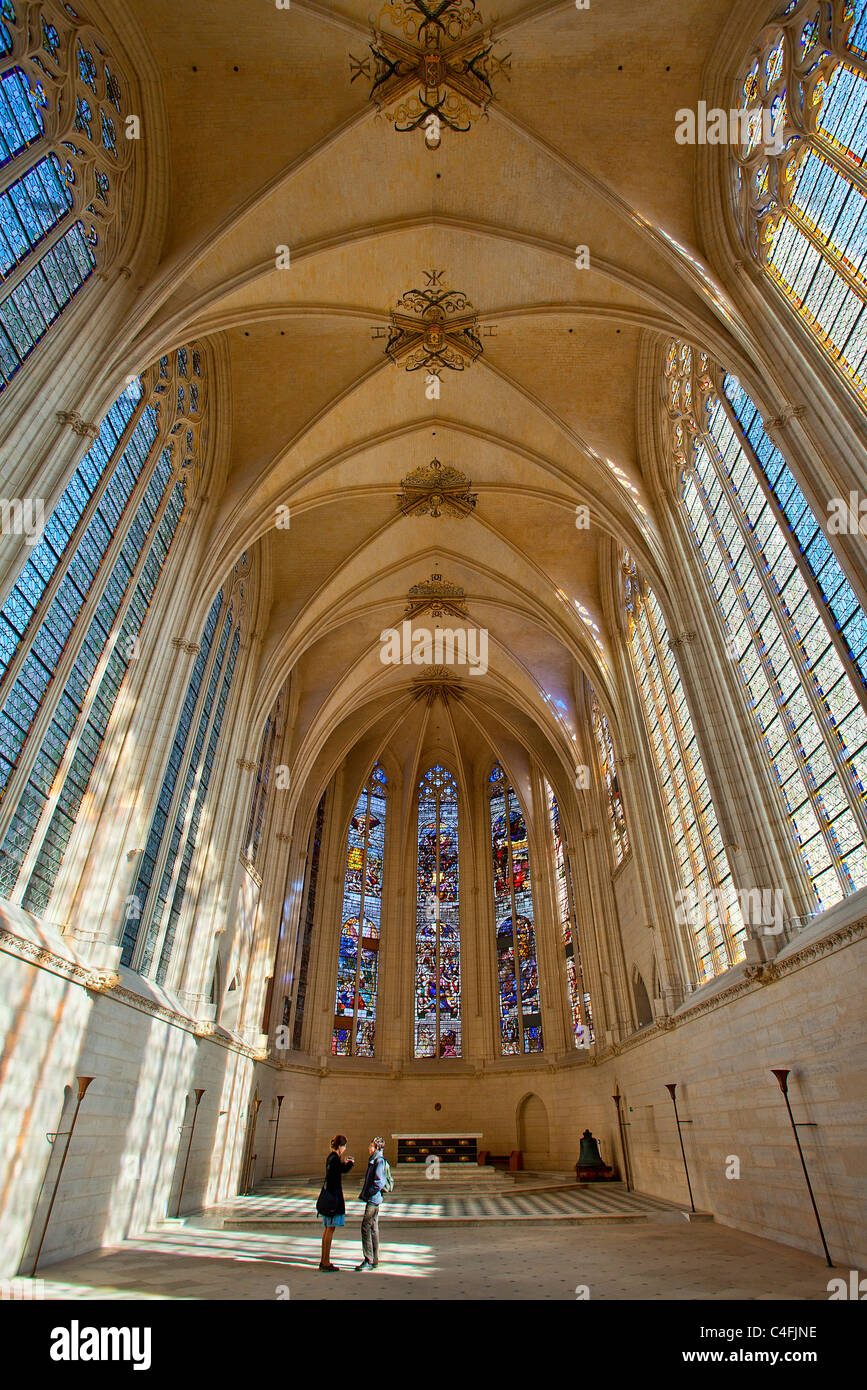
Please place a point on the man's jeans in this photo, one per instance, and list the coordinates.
(370, 1232)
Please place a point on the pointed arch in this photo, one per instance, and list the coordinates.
(517, 966)
(354, 1032)
(438, 934)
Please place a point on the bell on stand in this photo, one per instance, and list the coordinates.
(590, 1167)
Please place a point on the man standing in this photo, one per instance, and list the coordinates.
(371, 1195)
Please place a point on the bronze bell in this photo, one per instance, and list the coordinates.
(590, 1166)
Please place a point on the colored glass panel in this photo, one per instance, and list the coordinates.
(438, 959)
(517, 967)
(358, 958)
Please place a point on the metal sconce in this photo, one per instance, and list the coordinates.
(198, 1095)
(83, 1083)
(276, 1124)
(671, 1087)
(782, 1075)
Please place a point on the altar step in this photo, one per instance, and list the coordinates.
(576, 1204)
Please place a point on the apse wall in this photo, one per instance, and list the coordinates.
(123, 1170)
(804, 1011)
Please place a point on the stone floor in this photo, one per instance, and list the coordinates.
(634, 1260)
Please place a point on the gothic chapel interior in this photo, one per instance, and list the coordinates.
(433, 650)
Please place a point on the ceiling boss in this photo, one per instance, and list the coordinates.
(433, 328)
(437, 72)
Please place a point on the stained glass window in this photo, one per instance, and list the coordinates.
(707, 903)
(517, 968)
(154, 906)
(438, 937)
(580, 1007)
(743, 506)
(70, 607)
(802, 197)
(263, 781)
(306, 934)
(608, 773)
(358, 960)
(53, 231)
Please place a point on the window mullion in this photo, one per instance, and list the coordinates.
(56, 685)
(841, 163)
(361, 896)
(709, 868)
(758, 566)
(36, 253)
(12, 671)
(805, 674)
(826, 251)
(86, 708)
(147, 907)
(800, 559)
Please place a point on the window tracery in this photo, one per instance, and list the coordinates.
(580, 1005)
(154, 907)
(517, 967)
(707, 903)
(608, 773)
(358, 961)
(64, 164)
(801, 199)
(86, 586)
(751, 526)
(438, 937)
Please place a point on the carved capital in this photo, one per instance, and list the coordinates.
(283, 837)
(246, 765)
(182, 645)
(589, 834)
(78, 424)
(682, 639)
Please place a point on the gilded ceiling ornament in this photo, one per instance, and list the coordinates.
(437, 597)
(433, 328)
(434, 490)
(437, 681)
(443, 53)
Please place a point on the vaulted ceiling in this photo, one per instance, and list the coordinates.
(265, 142)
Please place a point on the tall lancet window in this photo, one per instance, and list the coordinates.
(517, 969)
(578, 997)
(802, 193)
(71, 626)
(707, 903)
(63, 158)
(154, 906)
(784, 600)
(358, 962)
(438, 933)
(608, 773)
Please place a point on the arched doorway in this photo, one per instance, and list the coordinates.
(533, 1137)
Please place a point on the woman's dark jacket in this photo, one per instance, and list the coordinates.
(335, 1167)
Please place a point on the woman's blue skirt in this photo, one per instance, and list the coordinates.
(334, 1220)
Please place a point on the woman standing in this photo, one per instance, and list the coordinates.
(331, 1206)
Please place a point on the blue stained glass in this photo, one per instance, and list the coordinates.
(75, 786)
(53, 749)
(195, 820)
(21, 121)
(29, 310)
(109, 135)
(29, 208)
(814, 545)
